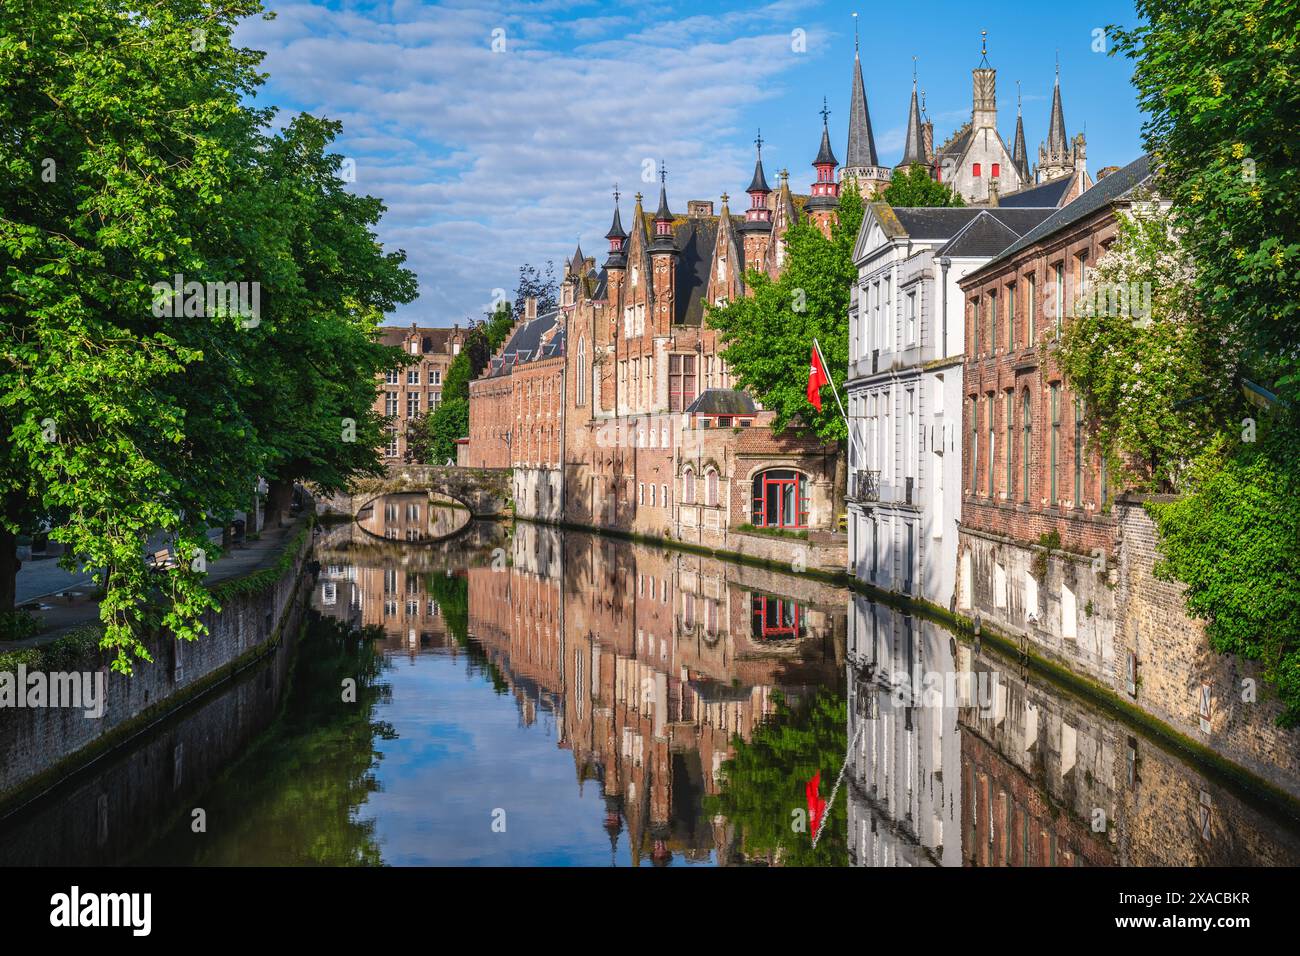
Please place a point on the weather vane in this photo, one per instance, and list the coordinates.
(616, 194)
(825, 112)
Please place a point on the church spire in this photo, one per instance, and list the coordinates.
(861, 150)
(1019, 153)
(663, 217)
(913, 145)
(1056, 139)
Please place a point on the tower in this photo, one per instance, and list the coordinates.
(824, 196)
(615, 263)
(756, 230)
(984, 90)
(860, 164)
(914, 142)
(1059, 156)
(663, 260)
(1019, 154)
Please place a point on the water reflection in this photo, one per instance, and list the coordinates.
(966, 759)
(553, 698)
(413, 517)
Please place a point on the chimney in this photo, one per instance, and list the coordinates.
(530, 308)
(696, 208)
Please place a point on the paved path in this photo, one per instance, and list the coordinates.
(67, 609)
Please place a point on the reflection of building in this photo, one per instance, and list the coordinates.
(659, 660)
(903, 796)
(407, 393)
(1005, 770)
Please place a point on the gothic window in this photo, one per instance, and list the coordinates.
(1078, 454)
(1010, 444)
(711, 487)
(688, 486)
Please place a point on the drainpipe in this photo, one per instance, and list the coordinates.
(944, 263)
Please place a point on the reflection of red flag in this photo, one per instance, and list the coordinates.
(816, 805)
(817, 377)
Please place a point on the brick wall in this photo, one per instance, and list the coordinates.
(34, 741)
(1175, 661)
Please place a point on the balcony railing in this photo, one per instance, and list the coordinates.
(866, 486)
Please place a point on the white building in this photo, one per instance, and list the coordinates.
(904, 386)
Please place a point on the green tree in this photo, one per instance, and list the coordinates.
(129, 157)
(917, 188)
(768, 334)
(1154, 373)
(1218, 80)
(762, 790)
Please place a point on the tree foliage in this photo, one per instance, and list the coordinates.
(1154, 371)
(129, 156)
(1218, 80)
(768, 334)
(917, 187)
(432, 438)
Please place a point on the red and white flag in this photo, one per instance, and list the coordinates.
(817, 377)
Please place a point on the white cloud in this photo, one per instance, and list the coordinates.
(488, 160)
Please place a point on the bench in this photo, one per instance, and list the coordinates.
(162, 560)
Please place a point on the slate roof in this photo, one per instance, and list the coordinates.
(723, 401)
(1045, 194)
(527, 342)
(985, 235)
(862, 144)
(1111, 189)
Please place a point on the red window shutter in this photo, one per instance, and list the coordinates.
(975, 169)
(996, 169)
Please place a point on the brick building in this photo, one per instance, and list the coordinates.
(516, 413)
(405, 394)
(1029, 475)
(617, 410)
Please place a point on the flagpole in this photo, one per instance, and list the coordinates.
(830, 804)
(836, 393)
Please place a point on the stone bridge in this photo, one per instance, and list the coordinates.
(484, 491)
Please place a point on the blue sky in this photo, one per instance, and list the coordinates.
(491, 159)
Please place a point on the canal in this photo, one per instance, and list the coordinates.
(532, 696)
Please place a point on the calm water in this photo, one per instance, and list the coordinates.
(539, 697)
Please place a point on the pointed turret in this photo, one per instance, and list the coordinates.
(860, 163)
(663, 217)
(1059, 156)
(758, 215)
(914, 142)
(617, 239)
(1019, 153)
(1056, 138)
(862, 144)
(824, 198)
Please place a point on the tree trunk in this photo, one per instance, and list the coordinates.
(8, 569)
(278, 497)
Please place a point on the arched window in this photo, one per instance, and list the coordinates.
(780, 499)
(688, 487)
(582, 371)
(711, 487)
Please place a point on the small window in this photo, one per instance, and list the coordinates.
(997, 168)
(975, 170)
